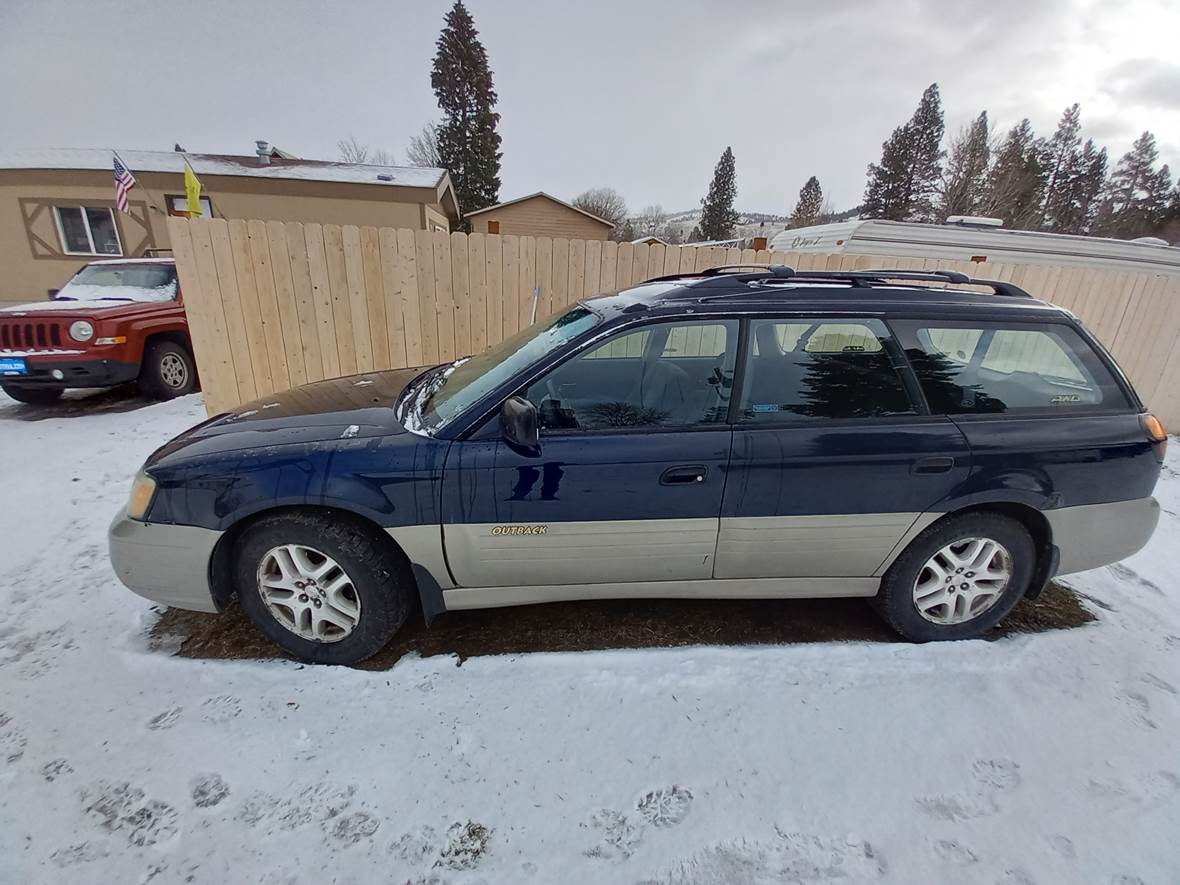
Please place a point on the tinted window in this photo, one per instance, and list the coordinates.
(982, 368)
(821, 369)
(667, 375)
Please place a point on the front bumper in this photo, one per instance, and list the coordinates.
(168, 564)
(75, 373)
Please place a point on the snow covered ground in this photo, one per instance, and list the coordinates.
(1052, 758)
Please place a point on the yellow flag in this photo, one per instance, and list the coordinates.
(192, 190)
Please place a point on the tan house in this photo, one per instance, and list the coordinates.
(57, 207)
(539, 215)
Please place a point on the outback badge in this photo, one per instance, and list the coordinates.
(519, 529)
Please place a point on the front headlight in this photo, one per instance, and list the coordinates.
(142, 490)
(81, 330)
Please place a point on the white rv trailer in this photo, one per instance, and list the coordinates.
(979, 239)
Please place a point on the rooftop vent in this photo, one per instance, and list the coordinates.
(974, 221)
(263, 151)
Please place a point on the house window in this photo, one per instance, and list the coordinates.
(493, 227)
(179, 206)
(86, 230)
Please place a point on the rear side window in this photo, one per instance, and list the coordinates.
(981, 368)
(798, 369)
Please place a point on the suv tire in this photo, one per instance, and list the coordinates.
(33, 396)
(932, 592)
(322, 577)
(167, 371)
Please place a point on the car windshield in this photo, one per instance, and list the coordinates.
(121, 282)
(452, 389)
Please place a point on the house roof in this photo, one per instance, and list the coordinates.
(547, 197)
(224, 164)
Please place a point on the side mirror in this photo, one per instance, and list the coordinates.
(518, 421)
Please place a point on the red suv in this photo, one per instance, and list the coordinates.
(116, 321)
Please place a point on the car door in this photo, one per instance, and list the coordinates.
(629, 480)
(833, 461)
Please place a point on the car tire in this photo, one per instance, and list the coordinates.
(283, 553)
(33, 396)
(167, 371)
(932, 592)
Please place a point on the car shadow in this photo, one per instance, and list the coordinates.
(614, 624)
(75, 403)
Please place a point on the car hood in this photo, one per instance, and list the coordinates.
(67, 310)
(357, 407)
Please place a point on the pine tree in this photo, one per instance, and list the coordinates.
(1126, 211)
(468, 144)
(1016, 182)
(718, 219)
(1061, 160)
(902, 187)
(965, 180)
(1171, 228)
(1086, 189)
(811, 203)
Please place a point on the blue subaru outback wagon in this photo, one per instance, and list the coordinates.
(739, 432)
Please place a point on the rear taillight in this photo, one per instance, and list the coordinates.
(1154, 428)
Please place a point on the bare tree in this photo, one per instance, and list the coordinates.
(605, 202)
(423, 148)
(650, 221)
(353, 151)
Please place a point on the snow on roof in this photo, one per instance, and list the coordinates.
(222, 164)
(547, 197)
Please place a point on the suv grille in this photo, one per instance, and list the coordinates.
(31, 335)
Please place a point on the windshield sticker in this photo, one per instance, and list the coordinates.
(766, 407)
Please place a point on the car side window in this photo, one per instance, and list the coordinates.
(821, 369)
(662, 375)
(970, 368)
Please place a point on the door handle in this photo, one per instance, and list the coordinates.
(932, 465)
(681, 476)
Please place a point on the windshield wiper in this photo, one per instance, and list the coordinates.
(114, 298)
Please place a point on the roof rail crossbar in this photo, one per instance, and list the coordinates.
(867, 277)
(755, 271)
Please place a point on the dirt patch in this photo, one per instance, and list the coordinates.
(584, 626)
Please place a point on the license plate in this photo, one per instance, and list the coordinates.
(13, 366)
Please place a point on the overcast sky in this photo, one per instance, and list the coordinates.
(640, 96)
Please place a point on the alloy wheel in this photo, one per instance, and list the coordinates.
(309, 593)
(962, 580)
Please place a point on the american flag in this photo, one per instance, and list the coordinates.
(124, 181)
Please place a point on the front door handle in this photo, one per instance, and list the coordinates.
(932, 465)
(681, 476)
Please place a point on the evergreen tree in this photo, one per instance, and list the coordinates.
(1061, 161)
(903, 186)
(1086, 189)
(1016, 182)
(468, 144)
(1133, 193)
(718, 219)
(965, 180)
(1171, 228)
(811, 203)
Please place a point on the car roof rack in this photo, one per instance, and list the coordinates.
(753, 272)
(774, 273)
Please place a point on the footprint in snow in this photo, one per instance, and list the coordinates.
(993, 777)
(123, 808)
(166, 719)
(208, 790)
(788, 857)
(623, 833)
(56, 768)
(221, 709)
(954, 852)
(12, 741)
(1142, 793)
(352, 828)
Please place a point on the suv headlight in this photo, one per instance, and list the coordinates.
(81, 330)
(143, 488)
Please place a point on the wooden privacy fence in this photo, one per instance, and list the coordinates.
(273, 305)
